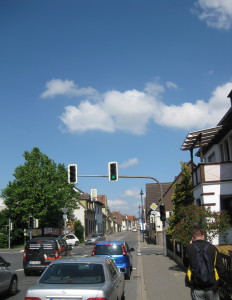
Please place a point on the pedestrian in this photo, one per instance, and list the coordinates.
(209, 288)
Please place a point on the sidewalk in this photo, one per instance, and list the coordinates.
(161, 278)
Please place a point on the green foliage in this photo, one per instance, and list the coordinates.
(79, 231)
(214, 223)
(3, 240)
(182, 196)
(183, 191)
(40, 189)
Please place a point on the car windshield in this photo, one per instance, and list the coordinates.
(108, 249)
(94, 235)
(73, 273)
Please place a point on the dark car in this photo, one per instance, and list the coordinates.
(8, 279)
(40, 252)
(119, 251)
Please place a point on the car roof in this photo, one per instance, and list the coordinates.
(45, 238)
(109, 242)
(82, 259)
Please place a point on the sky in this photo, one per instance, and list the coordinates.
(94, 81)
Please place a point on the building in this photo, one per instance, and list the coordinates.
(212, 176)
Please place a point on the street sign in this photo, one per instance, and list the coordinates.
(153, 206)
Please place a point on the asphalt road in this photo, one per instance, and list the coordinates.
(15, 257)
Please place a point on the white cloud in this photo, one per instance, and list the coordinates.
(131, 111)
(66, 87)
(171, 85)
(132, 193)
(118, 205)
(131, 162)
(216, 13)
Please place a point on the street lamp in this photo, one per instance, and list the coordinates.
(65, 218)
(142, 214)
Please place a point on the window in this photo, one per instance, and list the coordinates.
(108, 250)
(226, 204)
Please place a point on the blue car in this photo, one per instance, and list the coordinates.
(119, 251)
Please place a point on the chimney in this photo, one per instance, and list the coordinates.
(230, 96)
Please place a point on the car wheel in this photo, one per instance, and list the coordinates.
(13, 286)
(76, 243)
(123, 296)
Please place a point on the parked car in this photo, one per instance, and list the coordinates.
(40, 252)
(119, 251)
(8, 278)
(71, 239)
(79, 278)
(94, 238)
(134, 229)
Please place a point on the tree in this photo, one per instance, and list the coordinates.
(79, 230)
(40, 189)
(213, 223)
(183, 195)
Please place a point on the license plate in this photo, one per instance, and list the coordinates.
(65, 298)
(35, 262)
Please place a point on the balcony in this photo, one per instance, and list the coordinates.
(212, 172)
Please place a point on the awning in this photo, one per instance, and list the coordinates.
(200, 138)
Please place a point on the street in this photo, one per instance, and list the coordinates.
(153, 273)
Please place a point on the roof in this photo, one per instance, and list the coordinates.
(81, 259)
(110, 242)
(200, 138)
(206, 137)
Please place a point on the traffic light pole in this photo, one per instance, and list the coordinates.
(161, 199)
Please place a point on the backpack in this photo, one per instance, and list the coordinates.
(202, 269)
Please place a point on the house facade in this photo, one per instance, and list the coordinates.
(212, 177)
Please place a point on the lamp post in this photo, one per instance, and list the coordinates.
(142, 214)
(65, 218)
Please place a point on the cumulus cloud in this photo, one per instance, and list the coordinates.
(132, 193)
(130, 163)
(66, 87)
(118, 205)
(216, 13)
(133, 110)
(128, 201)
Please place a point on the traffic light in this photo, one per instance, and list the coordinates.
(162, 212)
(31, 222)
(72, 173)
(113, 171)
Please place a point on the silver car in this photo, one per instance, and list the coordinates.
(79, 278)
(8, 279)
(94, 238)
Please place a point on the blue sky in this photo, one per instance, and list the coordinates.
(93, 81)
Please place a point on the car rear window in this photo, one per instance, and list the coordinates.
(40, 244)
(108, 249)
(73, 273)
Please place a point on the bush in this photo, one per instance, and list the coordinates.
(79, 231)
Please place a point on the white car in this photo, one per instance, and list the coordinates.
(71, 239)
(134, 229)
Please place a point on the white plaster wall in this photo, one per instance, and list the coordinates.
(80, 214)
